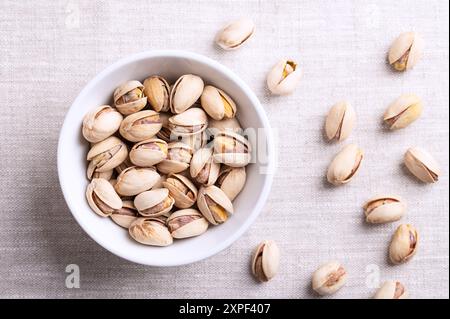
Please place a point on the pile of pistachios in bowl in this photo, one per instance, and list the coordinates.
(165, 161)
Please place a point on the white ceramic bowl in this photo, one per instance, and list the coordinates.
(72, 150)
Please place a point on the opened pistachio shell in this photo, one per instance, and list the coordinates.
(404, 244)
(214, 204)
(140, 126)
(126, 215)
(153, 203)
(232, 124)
(406, 51)
(150, 231)
(329, 278)
(102, 197)
(190, 122)
(235, 34)
(403, 111)
(181, 189)
(231, 149)
(384, 209)
(196, 141)
(231, 180)
(345, 165)
(157, 91)
(165, 131)
(203, 169)
(129, 97)
(186, 223)
(284, 77)
(185, 92)
(340, 121)
(93, 173)
(100, 123)
(266, 260)
(107, 154)
(148, 152)
(391, 290)
(178, 158)
(135, 180)
(217, 103)
(422, 165)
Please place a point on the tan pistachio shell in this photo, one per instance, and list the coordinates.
(91, 172)
(403, 111)
(235, 34)
(241, 151)
(102, 197)
(222, 205)
(107, 154)
(150, 231)
(215, 126)
(186, 223)
(135, 104)
(148, 152)
(199, 167)
(422, 165)
(345, 165)
(391, 290)
(406, 51)
(217, 103)
(266, 260)
(181, 189)
(196, 141)
(135, 180)
(340, 121)
(185, 92)
(157, 91)
(152, 198)
(174, 162)
(384, 209)
(100, 123)
(231, 180)
(190, 122)
(284, 77)
(140, 126)
(329, 278)
(126, 215)
(404, 244)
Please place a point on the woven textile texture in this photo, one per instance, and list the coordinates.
(50, 49)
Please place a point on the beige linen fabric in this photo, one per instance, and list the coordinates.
(50, 49)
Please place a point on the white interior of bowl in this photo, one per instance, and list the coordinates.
(72, 151)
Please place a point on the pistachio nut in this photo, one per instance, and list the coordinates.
(203, 169)
(140, 126)
(124, 165)
(406, 51)
(186, 223)
(165, 132)
(231, 180)
(391, 290)
(178, 158)
(340, 121)
(235, 34)
(129, 97)
(148, 152)
(150, 231)
(345, 165)
(422, 165)
(126, 215)
(266, 260)
(404, 244)
(107, 154)
(185, 92)
(403, 111)
(134, 180)
(284, 77)
(196, 141)
(384, 209)
(214, 204)
(157, 91)
(181, 189)
(100, 123)
(217, 103)
(190, 122)
(232, 124)
(154, 203)
(102, 197)
(329, 278)
(231, 149)
(93, 173)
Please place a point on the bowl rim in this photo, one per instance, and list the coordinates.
(270, 168)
